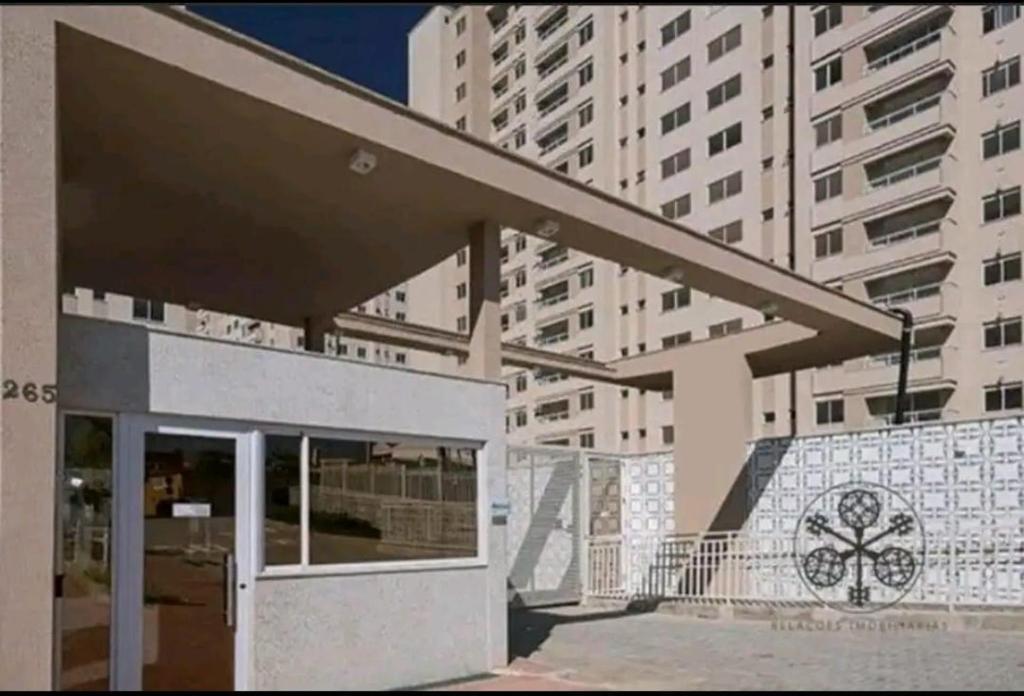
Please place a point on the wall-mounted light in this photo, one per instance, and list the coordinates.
(362, 162)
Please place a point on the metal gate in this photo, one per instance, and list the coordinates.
(545, 534)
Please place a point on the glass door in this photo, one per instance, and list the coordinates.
(184, 557)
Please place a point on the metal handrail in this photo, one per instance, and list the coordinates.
(903, 113)
(552, 261)
(904, 296)
(904, 173)
(905, 234)
(916, 355)
(903, 51)
(550, 29)
(548, 340)
(548, 69)
(553, 300)
(556, 142)
(551, 107)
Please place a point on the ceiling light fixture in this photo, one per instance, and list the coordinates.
(546, 229)
(674, 273)
(362, 162)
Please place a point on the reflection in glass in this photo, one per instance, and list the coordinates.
(87, 489)
(282, 532)
(189, 537)
(374, 501)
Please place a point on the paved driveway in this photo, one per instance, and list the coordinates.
(606, 649)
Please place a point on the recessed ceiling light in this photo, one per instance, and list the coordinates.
(362, 162)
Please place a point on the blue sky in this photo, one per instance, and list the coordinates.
(363, 43)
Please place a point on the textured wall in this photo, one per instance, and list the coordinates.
(374, 631)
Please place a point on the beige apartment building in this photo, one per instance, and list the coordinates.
(903, 189)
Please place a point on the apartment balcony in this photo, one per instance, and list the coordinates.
(930, 113)
(907, 183)
(926, 302)
(918, 241)
(550, 257)
(556, 332)
(553, 139)
(878, 374)
(921, 54)
(552, 411)
(548, 104)
(549, 23)
(913, 417)
(552, 296)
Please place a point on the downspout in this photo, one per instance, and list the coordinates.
(906, 339)
(791, 203)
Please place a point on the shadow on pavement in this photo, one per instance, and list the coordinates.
(528, 629)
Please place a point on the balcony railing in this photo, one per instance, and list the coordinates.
(548, 68)
(551, 24)
(905, 235)
(907, 111)
(904, 296)
(893, 359)
(553, 300)
(904, 173)
(557, 416)
(550, 145)
(548, 108)
(924, 415)
(552, 338)
(903, 51)
(553, 260)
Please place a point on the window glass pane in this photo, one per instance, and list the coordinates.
(86, 494)
(992, 336)
(1012, 397)
(1011, 333)
(1011, 269)
(993, 402)
(281, 500)
(376, 501)
(1011, 203)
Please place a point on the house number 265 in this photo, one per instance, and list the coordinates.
(29, 391)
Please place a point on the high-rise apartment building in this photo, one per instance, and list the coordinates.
(902, 188)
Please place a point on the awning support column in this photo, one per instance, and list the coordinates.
(484, 361)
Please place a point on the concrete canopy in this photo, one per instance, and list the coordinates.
(202, 167)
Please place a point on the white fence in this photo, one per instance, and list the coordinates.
(984, 569)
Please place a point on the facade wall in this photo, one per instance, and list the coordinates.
(322, 631)
(893, 59)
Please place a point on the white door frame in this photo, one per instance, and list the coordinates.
(127, 559)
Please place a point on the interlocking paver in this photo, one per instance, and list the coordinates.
(611, 649)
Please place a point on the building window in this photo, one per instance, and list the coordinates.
(332, 542)
(520, 242)
(731, 233)
(520, 103)
(586, 319)
(460, 92)
(828, 243)
(520, 138)
(520, 33)
(460, 291)
(725, 187)
(830, 412)
(587, 401)
(826, 18)
(1001, 204)
(460, 59)
(679, 116)
(586, 114)
(1002, 269)
(520, 69)
(828, 74)
(361, 351)
(1003, 397)
(767, 10)
(725, 328)
(586, 73)
(668, 434)
(460, 325)
(460, 257)
(675, 299)
(769, 417)
(675, 74)
(521, 382)
(676, 163)
(767, 113)
(461, 124)
(520, 278)
(1001, 76)
(828, 131)
(676, 28)
(725, 139)
(675, 340)
(521, 418)
(721, 45)
(719, 94)
(148, 310)
(1000, 140)
(828, 186)
(768, 214)
(586, 277)
(586, 156)
(996, 16)
(587, 440)
(1003, 332)
(460, 26)
(677, 207)
(586, 32)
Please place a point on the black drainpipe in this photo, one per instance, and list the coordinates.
(791, 203)
(905, 340)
